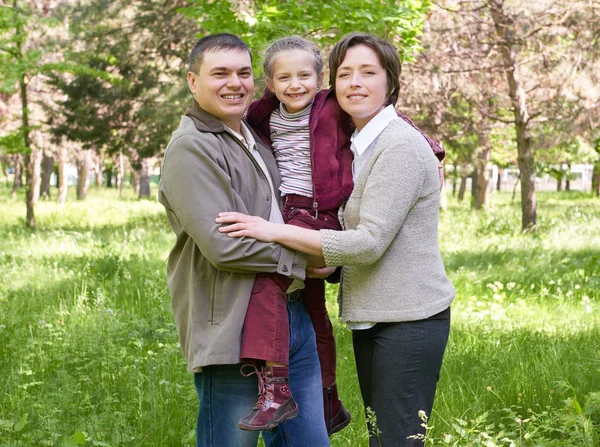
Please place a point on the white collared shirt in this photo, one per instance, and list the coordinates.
(364, 141)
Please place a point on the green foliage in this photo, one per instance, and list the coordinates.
(324, 22)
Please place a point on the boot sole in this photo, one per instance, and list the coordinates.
(341, 425)
(271, 424)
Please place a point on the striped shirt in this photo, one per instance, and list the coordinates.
(290, 139)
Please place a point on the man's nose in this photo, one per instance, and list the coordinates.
(233, 81)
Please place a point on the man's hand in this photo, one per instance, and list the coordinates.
(243, 225)
(319, 272)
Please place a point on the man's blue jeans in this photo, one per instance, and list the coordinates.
(226, 396)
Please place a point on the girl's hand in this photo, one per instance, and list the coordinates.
(243, 225)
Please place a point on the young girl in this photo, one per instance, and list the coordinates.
(309, 135)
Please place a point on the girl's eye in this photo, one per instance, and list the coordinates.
(283, 78)
(343, 75)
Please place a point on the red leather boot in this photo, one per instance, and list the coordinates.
(275, 401)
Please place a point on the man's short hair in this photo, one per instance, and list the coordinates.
(215, 42)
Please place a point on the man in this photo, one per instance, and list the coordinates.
(215, 163)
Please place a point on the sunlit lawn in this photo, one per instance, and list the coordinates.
(89, 355)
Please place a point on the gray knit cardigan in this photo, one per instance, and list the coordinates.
(392, 269)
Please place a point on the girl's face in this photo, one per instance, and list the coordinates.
(295, 80)
(361, 85)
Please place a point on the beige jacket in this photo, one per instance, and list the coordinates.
(210, 276)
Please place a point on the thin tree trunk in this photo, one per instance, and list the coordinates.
(83, 168)
(29, 160)
(47, 168)
(558, 184)
(135, 180)
(454, 177)
(499, 180)
(463, 187)
(62, 181)
(144, 188)
(596, 179)
(568, 178)
(120, 173)
(515, 187)
(109, 177)
(18, 180)
(443, 198)
(504, 29)
(36, 166)
(482, 176)
(98, 170)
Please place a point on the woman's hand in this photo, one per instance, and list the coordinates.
(243, 225)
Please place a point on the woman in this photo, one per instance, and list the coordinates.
(394, 294)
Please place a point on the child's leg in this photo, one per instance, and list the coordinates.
(265, 337)
(336, 415)
(266, 334)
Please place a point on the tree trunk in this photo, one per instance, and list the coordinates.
(120, 173)
(47, 168)
(84, 161)
(515, 188)
(135, 180)
(558, 184)
(454, 178)
(482, 176)
(463, 187)
(109, 176)
(596, 179)
(499, 180)
(18, 180)
(36, 166)
(443, 198)
(144, 188)
(98, 170)
(62, 180)
(505, 29)
(568, 178)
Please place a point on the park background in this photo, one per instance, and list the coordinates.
(90, 92)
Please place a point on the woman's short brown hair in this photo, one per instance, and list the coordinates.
(385, 51)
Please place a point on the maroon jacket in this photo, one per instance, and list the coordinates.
(331, 158)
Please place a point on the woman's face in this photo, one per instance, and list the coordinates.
(361, 85)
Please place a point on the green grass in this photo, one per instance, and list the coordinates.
(89, 355)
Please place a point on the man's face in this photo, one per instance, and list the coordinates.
(224, 86)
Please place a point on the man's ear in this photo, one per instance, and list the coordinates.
(192, 82)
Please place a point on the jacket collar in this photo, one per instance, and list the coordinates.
(204, 121)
